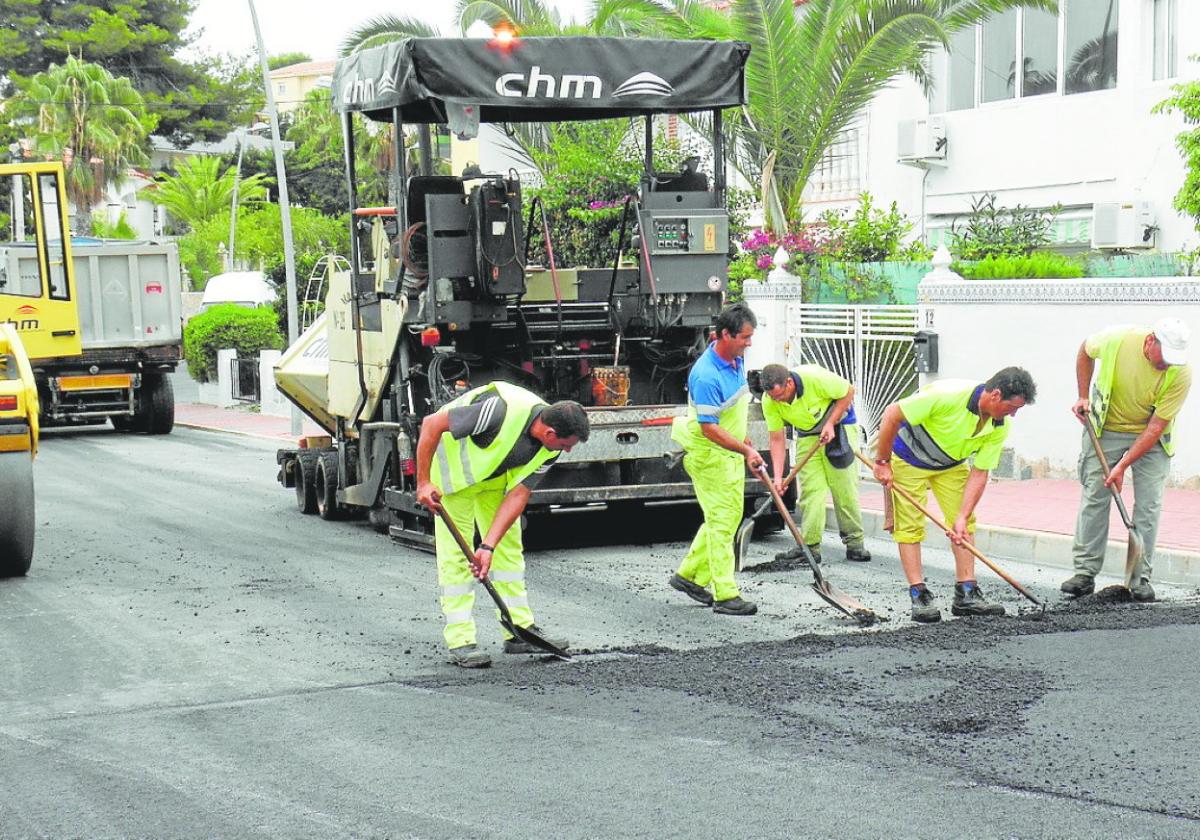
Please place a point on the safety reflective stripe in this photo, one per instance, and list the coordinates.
(465, 457)
(516, 601)
(458, 617)
(444, 466)
(507, 577)
(925, 448)
(457, 589)
(717, 409)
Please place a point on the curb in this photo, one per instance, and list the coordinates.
(221, 430)
(1044, 548)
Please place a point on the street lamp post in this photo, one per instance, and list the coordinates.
(289, 248)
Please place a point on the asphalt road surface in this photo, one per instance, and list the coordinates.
(191, 657)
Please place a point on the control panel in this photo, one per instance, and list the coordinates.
(694, 233)
(670, 235)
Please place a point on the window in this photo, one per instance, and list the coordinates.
(281, 87)
(52, 219)
(1166, 41)
(16, 202)
(1039, 53)
(999, 56)
(1090, 45)
(962, 70)
(1072, 51)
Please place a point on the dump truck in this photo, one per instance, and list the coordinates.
(101, 321)
(444, 292)
(18, 448)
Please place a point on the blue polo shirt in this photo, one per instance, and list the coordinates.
(713, 383)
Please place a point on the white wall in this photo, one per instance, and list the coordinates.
(983, 326)
(1075, 150)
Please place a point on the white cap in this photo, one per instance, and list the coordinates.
(1173, 335)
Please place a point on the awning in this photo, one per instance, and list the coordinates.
(433, 80)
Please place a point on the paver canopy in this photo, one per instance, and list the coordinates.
(447, 80)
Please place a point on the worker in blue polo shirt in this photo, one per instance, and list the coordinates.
(716, 453)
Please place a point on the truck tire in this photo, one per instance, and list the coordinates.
(17, 518)
(327, 486)
(306, 481)
(122, 422)
(162, 405)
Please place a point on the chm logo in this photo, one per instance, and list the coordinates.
(387, 83)
(26, 310)
(644, 84)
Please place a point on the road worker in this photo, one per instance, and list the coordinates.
(819, 405)
(493, 445)
(1143, 381)
(925, 441)
(717, 451)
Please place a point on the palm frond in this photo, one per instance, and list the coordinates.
(385, 29)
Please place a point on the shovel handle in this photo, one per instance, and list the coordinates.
(904, 494)
(795, 471)
(470, 553)
(1116, 494)
(788, 520)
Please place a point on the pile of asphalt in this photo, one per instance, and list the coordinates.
(954, 694)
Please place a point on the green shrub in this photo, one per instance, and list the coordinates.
(869, 234)
(224, 327)
(121, 229)
(996, 231)
(1040, 264)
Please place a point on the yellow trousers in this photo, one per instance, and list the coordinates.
(470, 508)
(948, 487)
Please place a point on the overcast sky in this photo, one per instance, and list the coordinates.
(316, 27)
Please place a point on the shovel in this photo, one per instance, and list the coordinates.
(836, 598)
(903, 494)
(741, 537)
(1135, 547)
(522, 633)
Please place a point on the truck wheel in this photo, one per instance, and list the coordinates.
(122, 422)
(327, 486)
(162, 405)
(17, 518)
(306, 481)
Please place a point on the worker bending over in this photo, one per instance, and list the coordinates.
(493, 444)
(819, 405)
(1143, 380)
(924, 443)
(717, 451)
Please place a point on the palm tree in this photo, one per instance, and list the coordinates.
(199, 190)
(95, 123)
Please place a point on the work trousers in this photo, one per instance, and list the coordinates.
(470, 508)
(948, 487)
(819, 479)
(1149, 481)
(719, 479)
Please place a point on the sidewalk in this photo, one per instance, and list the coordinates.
(1029, 521)
(241, 421)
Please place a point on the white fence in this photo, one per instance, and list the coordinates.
(872, 346)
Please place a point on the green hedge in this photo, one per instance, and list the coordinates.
(226, 327)
(1039, 264)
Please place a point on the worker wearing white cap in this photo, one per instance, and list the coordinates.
(1132, 403)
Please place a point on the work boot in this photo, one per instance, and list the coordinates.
(796, 555)
(693, 590)
(969, 600)
(737, 605)
(857, 554)
(923, 609)
(522, 646)
(1142, 590)
(1078, 585)
(469, 656)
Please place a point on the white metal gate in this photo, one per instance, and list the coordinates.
(872, 346)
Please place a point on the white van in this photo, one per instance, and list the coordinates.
(245, 288)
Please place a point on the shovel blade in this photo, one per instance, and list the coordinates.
(845, 604)
(1134, 549)
(527, 635)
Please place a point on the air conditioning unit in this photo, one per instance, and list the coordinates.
(1123, 225)
(922, 140)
